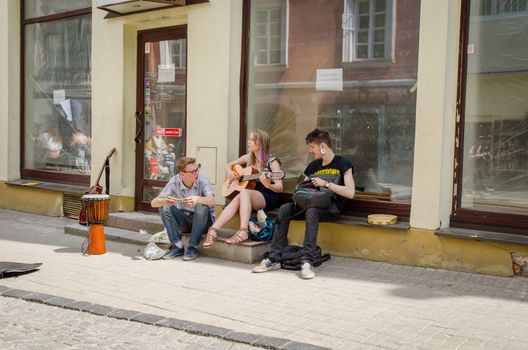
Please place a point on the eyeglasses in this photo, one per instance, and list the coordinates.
(193, 171)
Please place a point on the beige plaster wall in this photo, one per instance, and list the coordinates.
(435, 114)
(213, 49)
(9, 89)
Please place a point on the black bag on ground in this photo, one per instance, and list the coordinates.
(306, 196)
(292, 254)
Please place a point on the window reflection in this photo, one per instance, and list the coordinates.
(341, 75)
(58, 95)
(495, 162)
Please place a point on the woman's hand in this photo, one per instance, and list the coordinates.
(265, 180)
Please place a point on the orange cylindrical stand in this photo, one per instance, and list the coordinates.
(96, 243)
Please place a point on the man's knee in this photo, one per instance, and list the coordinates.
(285, 211)
(201, 210)
(165, 210)
(312, 214)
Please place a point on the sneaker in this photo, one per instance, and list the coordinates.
(267, 265)
(190, 254)
(307, 271)
(173, 252)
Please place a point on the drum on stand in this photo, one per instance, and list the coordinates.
(96, 216)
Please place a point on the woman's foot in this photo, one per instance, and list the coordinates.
(240, 236)
(210, 238)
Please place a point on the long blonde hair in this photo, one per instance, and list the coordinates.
(262, 139)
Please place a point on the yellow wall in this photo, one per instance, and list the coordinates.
(416, 247)
(31, 200)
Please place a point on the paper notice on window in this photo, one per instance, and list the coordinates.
(66, 106)
(58, 96)
(166, 73)
(329, 79)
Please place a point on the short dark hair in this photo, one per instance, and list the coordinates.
(319, 136)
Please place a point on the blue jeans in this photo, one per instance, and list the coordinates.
(313, 217)
(176, 220)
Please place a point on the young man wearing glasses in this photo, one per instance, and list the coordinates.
(187, 202)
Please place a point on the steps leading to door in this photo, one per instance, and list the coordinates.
(125, 227)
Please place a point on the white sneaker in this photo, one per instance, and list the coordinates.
(266, 265)
(307, 271)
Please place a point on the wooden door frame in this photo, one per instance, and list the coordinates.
(166, 33)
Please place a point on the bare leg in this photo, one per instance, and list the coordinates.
(228, 213)
(249, 200)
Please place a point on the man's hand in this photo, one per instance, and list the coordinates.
(170, 200)
(192, 200)
(318, 182)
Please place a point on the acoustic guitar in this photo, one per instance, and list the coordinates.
(246, 178)
(95, 189)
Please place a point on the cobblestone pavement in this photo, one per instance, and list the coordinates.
(26, 325)
(350, 304)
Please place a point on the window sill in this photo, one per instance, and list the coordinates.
(369, 63)
(271, 68)
(480, 235)
(52, 186)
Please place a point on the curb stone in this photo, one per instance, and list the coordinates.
(256, 340)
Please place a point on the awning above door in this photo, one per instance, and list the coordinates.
(127, 7)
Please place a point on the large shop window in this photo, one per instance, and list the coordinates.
(369, 109)
(492, 176)
(57, 90)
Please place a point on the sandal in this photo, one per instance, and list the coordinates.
(210, 238)
(240, 236)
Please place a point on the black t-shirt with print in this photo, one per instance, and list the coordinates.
(338, 165)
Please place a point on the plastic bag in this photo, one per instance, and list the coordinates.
(153, 252)
(160, 237)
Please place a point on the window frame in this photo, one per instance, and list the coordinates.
(464, 217)
(350, 32)
(31, 173)
(355, 207)
(283, 6)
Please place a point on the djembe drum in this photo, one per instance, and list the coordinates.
(96, 216)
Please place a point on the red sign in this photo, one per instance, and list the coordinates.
(175, 132)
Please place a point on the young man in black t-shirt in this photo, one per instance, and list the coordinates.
(325, 162)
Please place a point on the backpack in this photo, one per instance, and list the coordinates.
(292, 254)
(306, 196)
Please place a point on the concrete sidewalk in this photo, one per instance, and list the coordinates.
(350, 304)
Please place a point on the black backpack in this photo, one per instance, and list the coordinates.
(292, 254)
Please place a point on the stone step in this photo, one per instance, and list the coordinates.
(124, 227)
(136, 221)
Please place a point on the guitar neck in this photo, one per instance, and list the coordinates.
(250, 177)
(102, 169)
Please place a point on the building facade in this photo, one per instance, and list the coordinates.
(426, 98)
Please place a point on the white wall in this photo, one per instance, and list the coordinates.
(9, 90)
(435, 114)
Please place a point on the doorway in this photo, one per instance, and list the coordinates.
(161, 109)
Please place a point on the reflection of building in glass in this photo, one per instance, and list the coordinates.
(496, 105)
(368, 107)
(58, 95)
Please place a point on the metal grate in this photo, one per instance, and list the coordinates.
(71, 205)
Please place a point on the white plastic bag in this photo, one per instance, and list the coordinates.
(160, 237)
(153, 252)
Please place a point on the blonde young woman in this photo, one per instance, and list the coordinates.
(263, 196)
